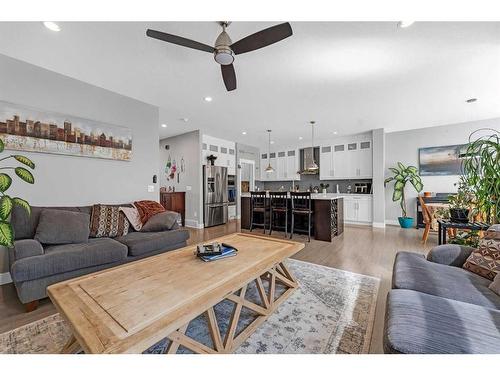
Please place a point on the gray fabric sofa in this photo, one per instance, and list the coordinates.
(435, 306)
(33, 266)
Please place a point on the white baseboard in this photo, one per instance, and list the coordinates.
(5, 278)
(193, 224)
(378, 225)
(392, 222)
(357, 223)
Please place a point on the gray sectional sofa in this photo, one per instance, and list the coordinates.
(436, 306)
(34, 266)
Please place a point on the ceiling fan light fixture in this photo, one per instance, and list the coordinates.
(224, 56)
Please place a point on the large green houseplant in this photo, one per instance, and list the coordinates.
(401, 176)
(7, 202)
(481, 168)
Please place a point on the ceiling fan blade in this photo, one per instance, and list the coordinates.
(179, 40)
(262, 38)
(229, 76)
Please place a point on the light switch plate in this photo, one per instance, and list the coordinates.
(188, 187)
(151, 188)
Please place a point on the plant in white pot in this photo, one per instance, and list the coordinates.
(401, 176)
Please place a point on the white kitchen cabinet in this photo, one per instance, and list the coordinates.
(292, 165)
(264, 176)
(273, 176)
(224, 150)
(281, 166)
(231, 212)
(326, 171)
(358, 209)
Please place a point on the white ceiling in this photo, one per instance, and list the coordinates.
(349, 77)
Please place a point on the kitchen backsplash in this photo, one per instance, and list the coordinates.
(306, 181)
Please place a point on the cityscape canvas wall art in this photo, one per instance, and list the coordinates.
(28, 129)
(441, 161)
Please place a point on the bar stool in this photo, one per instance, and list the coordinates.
(301, 205)
(278, 205)
(258, 205)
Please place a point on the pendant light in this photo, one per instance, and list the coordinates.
(313, 167)
(269, 169)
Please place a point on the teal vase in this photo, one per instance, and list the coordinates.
(405, 222)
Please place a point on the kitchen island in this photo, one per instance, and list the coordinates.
(328, 216)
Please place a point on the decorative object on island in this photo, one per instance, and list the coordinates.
(441, 161)
(35, 130)
(6, 202)
(174, 201)
(482, 173)
(402, 175)
(461, 202)
(324, 187)
(269, 168)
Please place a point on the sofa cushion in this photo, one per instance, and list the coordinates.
(161, 222)
(147, 209)
(495, 285)
(413, 271)
(140, 243)
(485, 260)
(26, 248)
(419, 323)
(63, 258)
(108, 221)
(56, 227)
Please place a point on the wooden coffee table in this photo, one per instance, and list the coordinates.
(129, 308)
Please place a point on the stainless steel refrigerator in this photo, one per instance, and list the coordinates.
(215, 195)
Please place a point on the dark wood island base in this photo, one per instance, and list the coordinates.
(328, 221)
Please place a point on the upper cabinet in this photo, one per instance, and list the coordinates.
(224, 150)
(285, 164)
(346, 159)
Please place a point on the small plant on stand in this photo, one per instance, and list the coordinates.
(401, 176)
(461, 202)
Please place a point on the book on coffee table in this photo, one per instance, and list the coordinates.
(227, 252)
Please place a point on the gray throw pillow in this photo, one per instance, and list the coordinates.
(495, 285)
(58, 227)
(163, 221)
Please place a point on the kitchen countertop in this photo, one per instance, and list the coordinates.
(327, 196)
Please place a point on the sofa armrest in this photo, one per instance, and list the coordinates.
(26, 248)
(450, 254)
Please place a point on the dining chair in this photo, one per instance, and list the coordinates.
(427, 219)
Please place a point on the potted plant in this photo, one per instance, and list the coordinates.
(401, 176)
(481, 167)
(324, 187)
(461, 202)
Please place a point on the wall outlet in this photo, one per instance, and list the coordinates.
(188, 187)
(151, 188)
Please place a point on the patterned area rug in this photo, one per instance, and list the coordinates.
(332, 311)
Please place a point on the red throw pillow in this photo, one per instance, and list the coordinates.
(147, 209)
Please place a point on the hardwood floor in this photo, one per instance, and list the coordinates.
(361, 249)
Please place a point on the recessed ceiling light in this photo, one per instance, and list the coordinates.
(244, 133)
(335, 132)
(208, 98)
(51, 26)
(301, 138)
(163, 125)
(184, 119)
(272, 142)
(404, 24)
(471, 100)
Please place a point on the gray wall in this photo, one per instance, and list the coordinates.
(403, 146)
(69, 180)
(187, 146)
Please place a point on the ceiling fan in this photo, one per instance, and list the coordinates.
(225, 50)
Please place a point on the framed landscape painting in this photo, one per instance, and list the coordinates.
(28, 129)
(442, 160)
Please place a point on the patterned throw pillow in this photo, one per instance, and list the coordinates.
(148, 209)
(485, 260)
(133, 217)
(108, 221)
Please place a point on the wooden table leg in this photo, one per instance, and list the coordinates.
(439, 233)
(72, 346)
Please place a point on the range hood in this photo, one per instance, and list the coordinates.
(307, 155)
